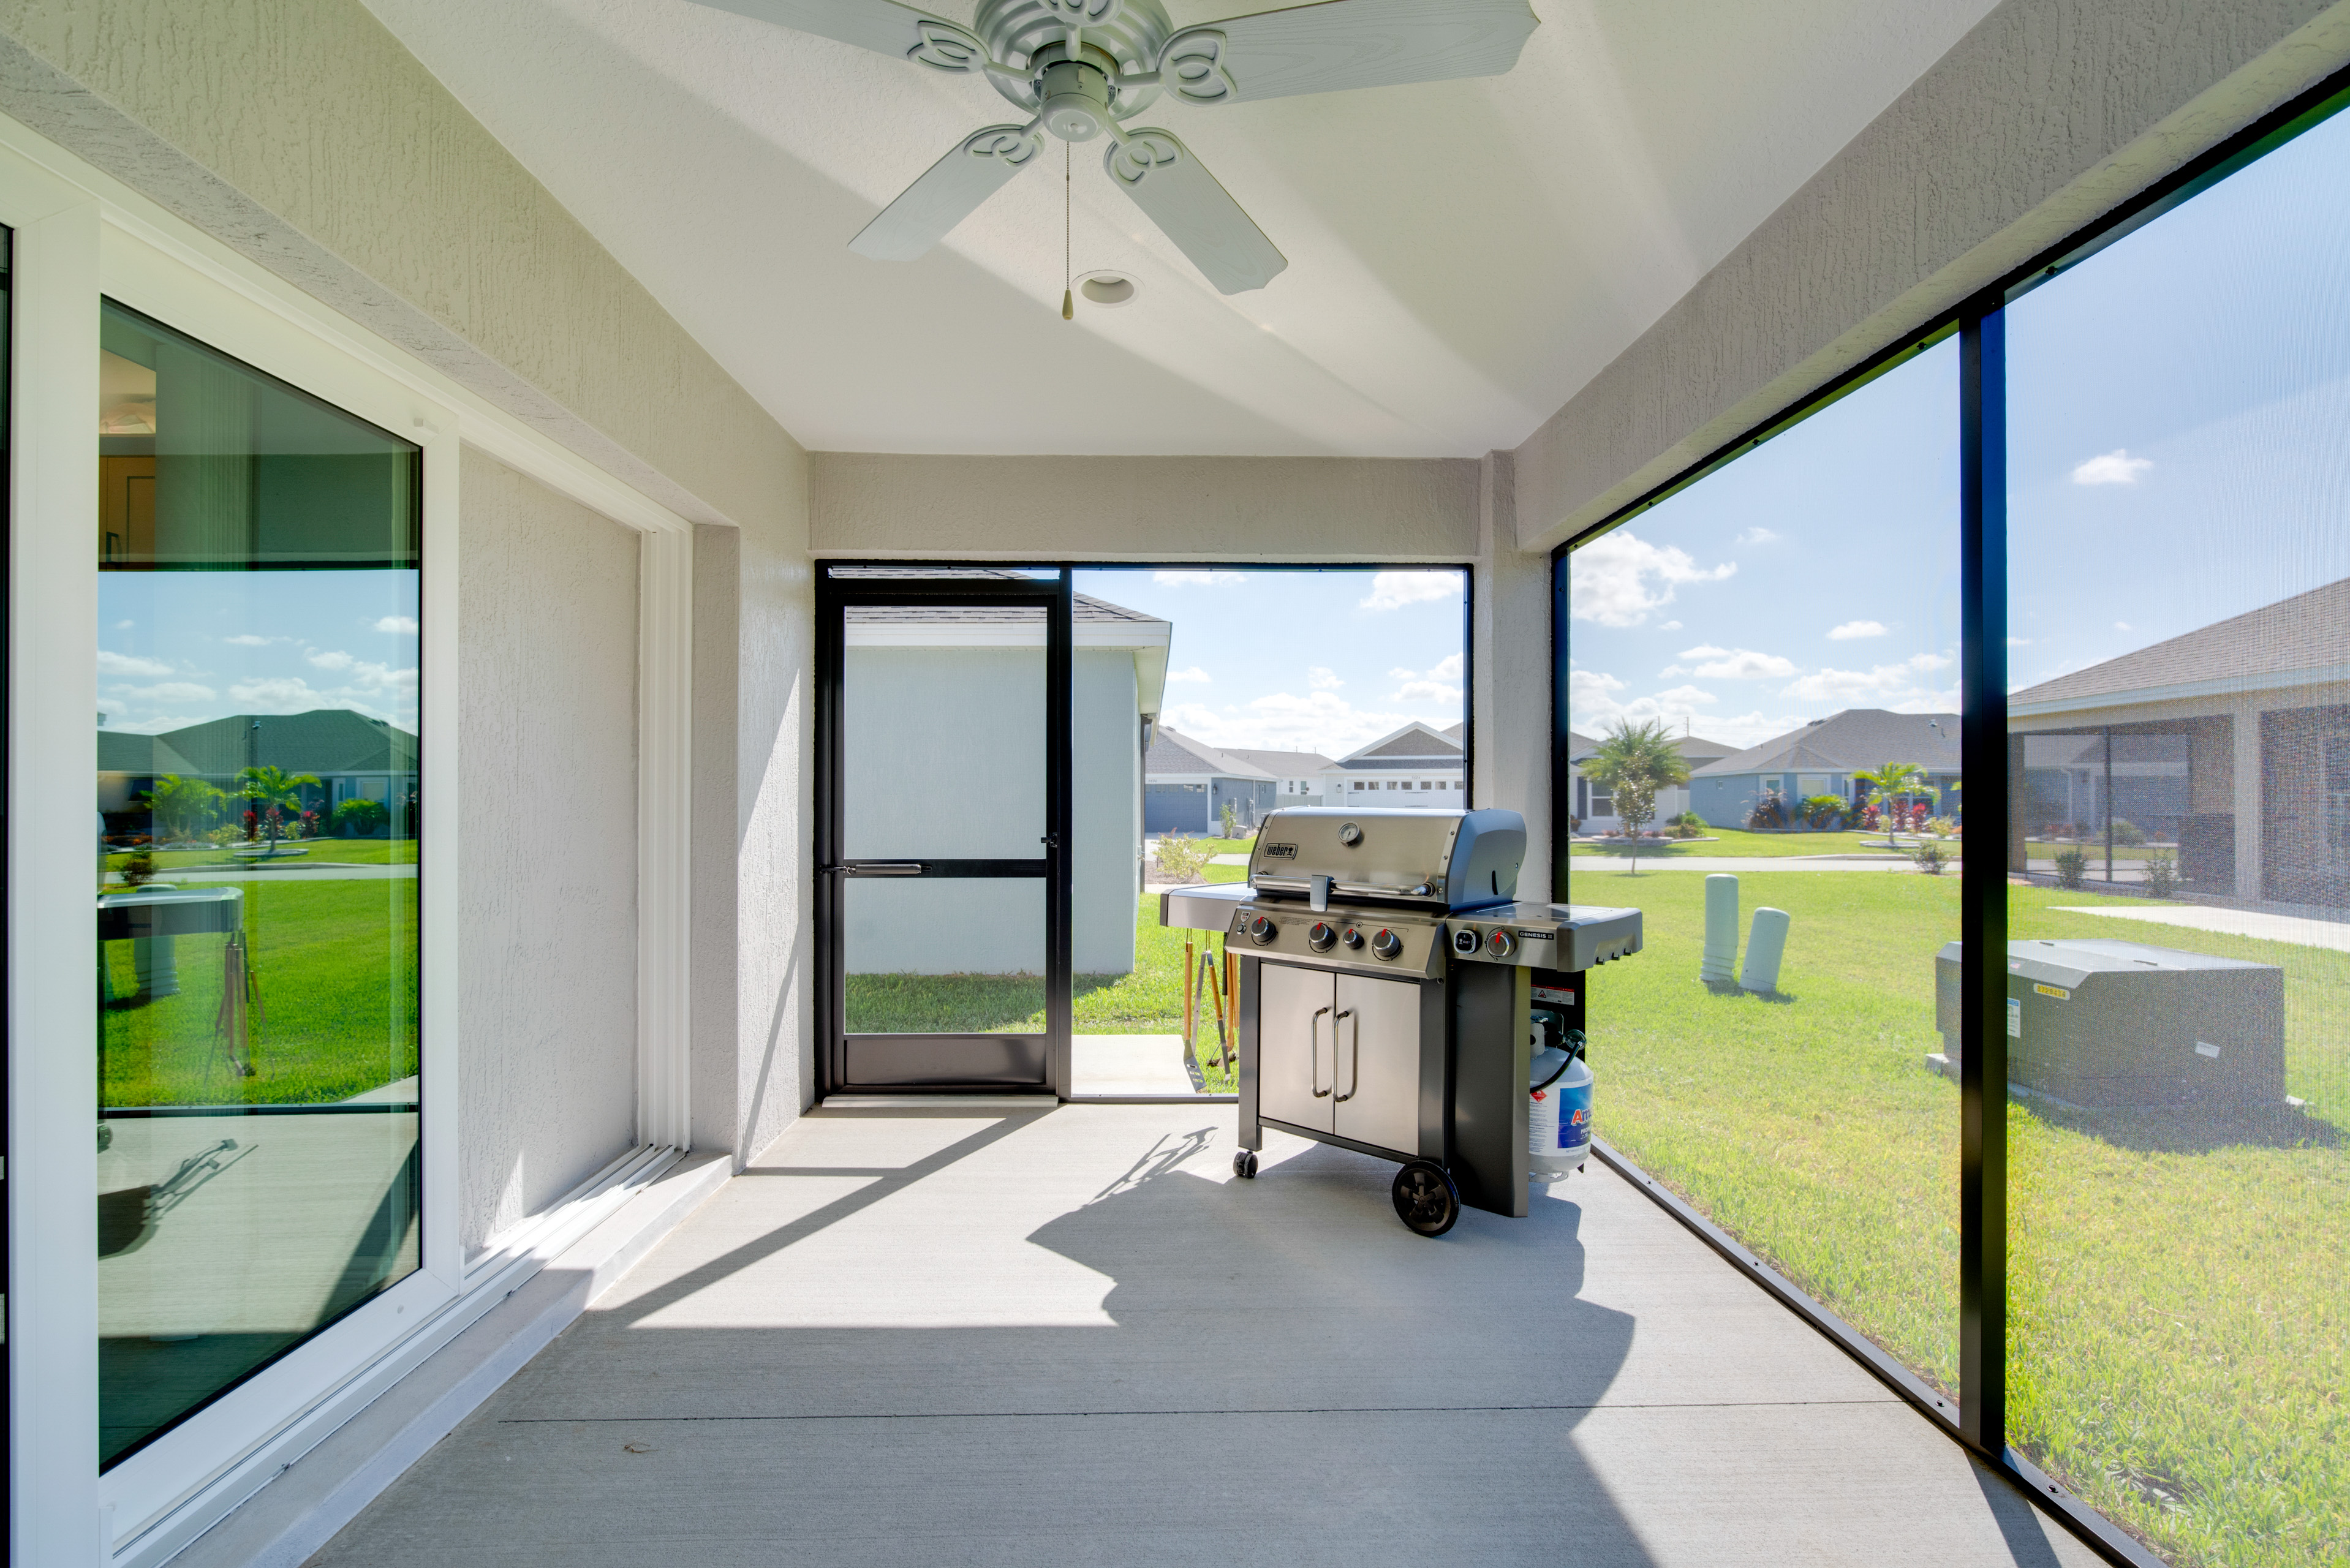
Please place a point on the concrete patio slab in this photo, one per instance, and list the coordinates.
(1072, 1336)
(1145, 1066)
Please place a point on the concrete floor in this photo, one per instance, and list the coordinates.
(1069, 1336)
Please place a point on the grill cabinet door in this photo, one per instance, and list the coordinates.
(1292, 1046)
(1378, 1063)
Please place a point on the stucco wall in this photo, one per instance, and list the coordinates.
(301, 133)
(1143, 508)
(547, 786)
(2048, 114)
(1510, 634)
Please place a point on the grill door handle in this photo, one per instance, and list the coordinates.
(883, 867)
(1355, 1079)
(1314, 1055)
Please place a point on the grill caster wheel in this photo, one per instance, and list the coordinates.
(1425, 1198)
(1244, 1165)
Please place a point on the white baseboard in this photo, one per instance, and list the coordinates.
(302, 1507)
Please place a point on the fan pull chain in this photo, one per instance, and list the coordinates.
(1068, 245)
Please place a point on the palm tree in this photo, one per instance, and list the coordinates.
(1894, 783)
(274, 787)
(181, 805)
(1635, 763)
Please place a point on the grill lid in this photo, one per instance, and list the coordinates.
(1440, 860)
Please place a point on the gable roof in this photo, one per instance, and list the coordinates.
(1172, 754)
(1415, 742)
(121, 752)
(1696, 749)
(1856, 738)
(2295, 641)
(323, 741)
(1282, 764)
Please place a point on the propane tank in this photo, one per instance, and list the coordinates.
(1558, 1113)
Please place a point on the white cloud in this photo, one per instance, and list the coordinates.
(247, 640)
(1731, 664)
(124, 625)
(335, 660)
(1760, 535)
(1857, 629)
(1448, 667)
(2116, 467)
(1393, 590)
(1425, 691)
(397, 625)
(2121, 625)
(1287, 721)
(122, 665)
(1194, 674)
(278, 694)
(157, 725)
(168, 691)
(1683, 697)
(1400, 673)
(1597, 702)
(1899, 686)
(1197, 579)
(1618, 580)
(1322, 680)
(1670, 626)
(2019, 642)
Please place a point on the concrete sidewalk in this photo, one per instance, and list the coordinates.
(2293, 928)
(1070, 1337)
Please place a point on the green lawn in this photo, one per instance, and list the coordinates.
(346, 851)
(2180, 1333)
(1737, 842)
(337, 967)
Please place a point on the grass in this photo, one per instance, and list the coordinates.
(1738, 842)
(337, 967)
(2179, 1334)
(347, 851)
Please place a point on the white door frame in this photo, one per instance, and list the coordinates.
(79, 234)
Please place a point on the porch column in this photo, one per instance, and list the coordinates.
(1510, 724)
(2250, 802)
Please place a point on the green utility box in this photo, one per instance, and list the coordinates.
(2114, 1024)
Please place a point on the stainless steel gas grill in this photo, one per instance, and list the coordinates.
(1389, 989)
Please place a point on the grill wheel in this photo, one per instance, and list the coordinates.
(1425, 1198)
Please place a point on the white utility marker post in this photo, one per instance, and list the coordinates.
(1720, 963)
(1765, 947)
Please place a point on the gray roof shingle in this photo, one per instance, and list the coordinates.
(1856, 738)
(1172, 754)
(1282, 764)
(2310, 631)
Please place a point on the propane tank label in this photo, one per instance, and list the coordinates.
(1574, 1116)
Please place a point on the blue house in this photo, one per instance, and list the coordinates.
(1822, 757)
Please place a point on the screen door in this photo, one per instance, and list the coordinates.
(945, 735)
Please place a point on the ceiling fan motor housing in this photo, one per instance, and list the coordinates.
(1073, 101)
(1032, 35)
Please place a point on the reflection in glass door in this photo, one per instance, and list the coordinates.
(944, 732)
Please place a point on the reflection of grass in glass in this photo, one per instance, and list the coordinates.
(336, 961)
(322, 851)
(2179, 1329)
(1734, 841)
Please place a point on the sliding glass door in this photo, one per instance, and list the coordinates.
(943, 754)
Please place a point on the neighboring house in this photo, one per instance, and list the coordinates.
(1188, 783)
(1822, 757)
(1415, 766)
(2233, 740)
(957, 772)
(1297, 775)
(353, 757)
(1595, 808)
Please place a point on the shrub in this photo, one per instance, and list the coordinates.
(1943, 826)
(1929, 856)
(1770, 813)
(1822, 810)
(1682, 829)
(2072, 869)
(1182, 859)
(2127, 832)
(139, 869)
(360, 818)
(2161, 875)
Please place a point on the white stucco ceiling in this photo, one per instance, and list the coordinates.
(1464, 255)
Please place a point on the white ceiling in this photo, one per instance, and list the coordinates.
(1464, 255)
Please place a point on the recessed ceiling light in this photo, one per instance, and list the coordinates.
(1108, 288)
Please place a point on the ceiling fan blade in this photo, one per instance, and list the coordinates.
(882, 26)
(1342, 44)
(1175, 191)
(980, 165)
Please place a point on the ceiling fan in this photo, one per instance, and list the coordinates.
(1081, 68)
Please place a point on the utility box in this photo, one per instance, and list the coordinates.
(2114, 1023)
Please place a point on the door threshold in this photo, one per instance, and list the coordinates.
(1034, 1102)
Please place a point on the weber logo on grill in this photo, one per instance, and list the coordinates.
(1280, 852)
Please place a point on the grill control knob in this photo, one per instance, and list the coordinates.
(1262, 930)
(1353, 938)
(1323, 937)
(1500, 944)
(1385, 945)
(1464, 942)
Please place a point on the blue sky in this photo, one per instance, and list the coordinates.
(2178, 452)
(1303, 660)
(179, 648)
